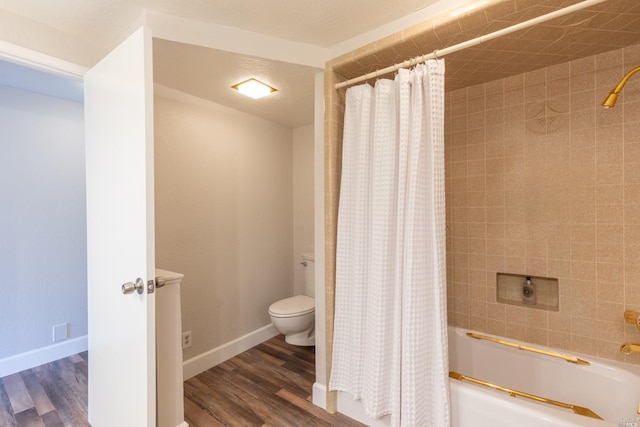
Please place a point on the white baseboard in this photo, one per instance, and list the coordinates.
(319, 395)
(183, 424)
(40, 356)
(204, 361)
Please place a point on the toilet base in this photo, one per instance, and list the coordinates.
(303, 339)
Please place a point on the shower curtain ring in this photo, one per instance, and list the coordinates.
(435, 54)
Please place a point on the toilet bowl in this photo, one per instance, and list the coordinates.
(294, 317)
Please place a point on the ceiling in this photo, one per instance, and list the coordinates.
(209, 73)
(607, 26)
(321, 22)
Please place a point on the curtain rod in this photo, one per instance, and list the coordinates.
(469, 43)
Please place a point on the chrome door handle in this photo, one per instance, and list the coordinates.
(130, 287)
(160, 282)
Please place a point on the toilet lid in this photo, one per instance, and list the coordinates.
(293, 306)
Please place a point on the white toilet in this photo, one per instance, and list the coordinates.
(294, 317)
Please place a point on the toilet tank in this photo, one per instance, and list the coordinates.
(309, 273)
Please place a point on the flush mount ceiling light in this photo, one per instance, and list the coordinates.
(254, 88)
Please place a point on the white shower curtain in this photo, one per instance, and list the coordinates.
(390, 333)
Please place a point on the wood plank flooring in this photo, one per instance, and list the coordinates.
(268, 385)
(51, 395)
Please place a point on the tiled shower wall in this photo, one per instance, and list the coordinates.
(542, 181)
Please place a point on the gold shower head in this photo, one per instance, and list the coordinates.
(611, 99)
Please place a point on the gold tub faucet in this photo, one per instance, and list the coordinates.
(630, 347)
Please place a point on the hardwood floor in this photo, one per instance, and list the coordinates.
(268, 385)
(51, 395)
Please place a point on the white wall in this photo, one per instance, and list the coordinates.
(42, 221)
(302, 201)
(223, 215)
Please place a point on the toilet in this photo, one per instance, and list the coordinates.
(294, 317)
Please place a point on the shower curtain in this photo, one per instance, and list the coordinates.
(390, 329)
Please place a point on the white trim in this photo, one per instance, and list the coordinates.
(319, 395)
(211, 358)
(183, 424)
(31, 58)
(40, 356)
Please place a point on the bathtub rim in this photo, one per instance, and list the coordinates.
(595, 361)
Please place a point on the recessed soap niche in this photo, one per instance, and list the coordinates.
(528, 291)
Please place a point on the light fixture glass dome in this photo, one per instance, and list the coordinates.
(254, 88)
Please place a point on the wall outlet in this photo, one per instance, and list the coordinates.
(186, 339)
(60, 332)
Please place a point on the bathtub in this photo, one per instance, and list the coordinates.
(608, 388)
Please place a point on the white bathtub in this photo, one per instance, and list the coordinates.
(608, 388)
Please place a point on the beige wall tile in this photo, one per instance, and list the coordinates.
(610, 291)
(610, 312)
(537, 266)
(583, 251)
(581, 212)
(606, 154)
(611, 273)
(478, 277)
(582, 344)
(609, 253)
(538, 336)
(610, 233)
(631, 256)
(609, 174)
(541, 195)
(516, 265)
(609, 194)
(559, 250)
(606, 135)
(611, 214)
(496, 327)
(559, 339)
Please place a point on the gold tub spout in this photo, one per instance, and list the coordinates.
(630, 347)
